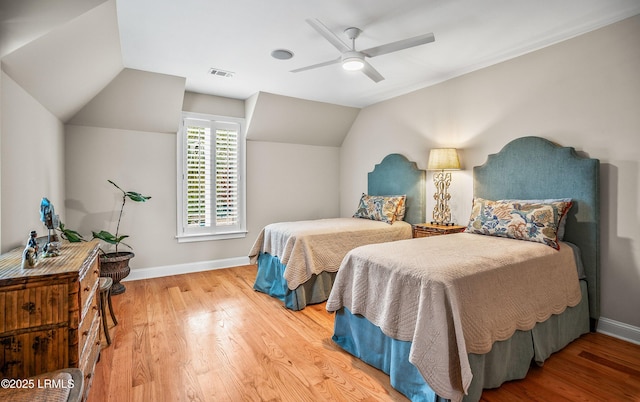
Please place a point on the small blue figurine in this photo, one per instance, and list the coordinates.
(51, 221)
(47, 214)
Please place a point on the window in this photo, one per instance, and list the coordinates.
(211, 163)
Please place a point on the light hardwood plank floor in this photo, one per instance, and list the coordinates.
(209, 336)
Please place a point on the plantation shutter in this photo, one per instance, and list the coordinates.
(212, 175)
(198, 174)
(226, 177)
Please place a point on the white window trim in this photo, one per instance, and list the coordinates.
(213, 234)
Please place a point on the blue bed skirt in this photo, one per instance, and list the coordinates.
(507, 360)
(270, 280)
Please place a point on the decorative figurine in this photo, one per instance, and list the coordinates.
(30, 253)
(51, 249)
(51, 221)
(33, 242)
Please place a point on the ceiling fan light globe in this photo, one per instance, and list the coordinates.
(353, 64)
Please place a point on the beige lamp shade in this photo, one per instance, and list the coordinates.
(443, 159)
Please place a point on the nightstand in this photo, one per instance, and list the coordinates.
(429, 229)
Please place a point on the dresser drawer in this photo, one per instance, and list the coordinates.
(34, 306)
(33, 352)
(86, 327)
(90, 353)
(88, 287)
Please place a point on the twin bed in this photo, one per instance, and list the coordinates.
(297, 261)
(448, 316)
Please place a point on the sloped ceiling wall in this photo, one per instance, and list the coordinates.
(72, 63)
(277, 118)
(136, 100)
(23, 21)
(73, 66)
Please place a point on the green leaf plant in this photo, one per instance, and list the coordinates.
(69, 234)
(117, 238)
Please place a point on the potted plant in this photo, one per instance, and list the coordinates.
(116, 264)
(69, 235)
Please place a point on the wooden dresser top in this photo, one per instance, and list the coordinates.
(72, 256)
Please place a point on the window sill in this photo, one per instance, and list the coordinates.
(210, 236)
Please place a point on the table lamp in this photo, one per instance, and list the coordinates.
(441, 159)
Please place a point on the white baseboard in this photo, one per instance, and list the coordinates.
(619, 330)
(168, 270)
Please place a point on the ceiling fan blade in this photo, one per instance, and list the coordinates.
(399, 45)
(328, 35)
(326, 63)
(371, 72)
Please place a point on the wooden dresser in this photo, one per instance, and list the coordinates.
(49, 314)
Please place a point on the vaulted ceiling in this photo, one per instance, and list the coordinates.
(72, 54)
(187, 39)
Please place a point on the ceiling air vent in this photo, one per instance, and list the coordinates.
(220, 73)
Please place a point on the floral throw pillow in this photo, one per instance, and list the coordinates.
(518, 219)
(380, 208)
(402, 207)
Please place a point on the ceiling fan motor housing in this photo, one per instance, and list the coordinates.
(352, 61)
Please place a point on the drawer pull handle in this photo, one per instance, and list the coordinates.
(30, 307)
(85, 333)
(97, 343)
(87, 289)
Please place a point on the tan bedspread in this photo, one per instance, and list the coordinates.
(455, 294)
(313, 246)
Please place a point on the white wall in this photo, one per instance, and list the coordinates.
(288, 182)
(32, 164)
(137, 161)
(284, 182)
(1, 108)
(584, 93)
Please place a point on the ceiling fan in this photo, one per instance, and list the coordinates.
(353, 59)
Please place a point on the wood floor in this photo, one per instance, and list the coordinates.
(210, 337)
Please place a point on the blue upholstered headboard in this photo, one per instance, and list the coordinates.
(535, 168)
(396, 175)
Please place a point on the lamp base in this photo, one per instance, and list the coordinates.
(441, 211)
